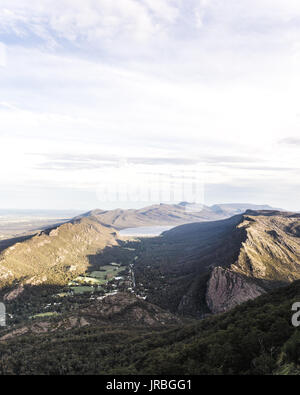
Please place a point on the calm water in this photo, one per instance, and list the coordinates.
(145, 231)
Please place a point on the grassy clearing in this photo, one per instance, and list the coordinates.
(88, 280)
(84, 284)
(98, 274)
(82, 289)
(49, 314)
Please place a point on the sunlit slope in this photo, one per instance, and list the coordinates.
(56, 256)
(271, 250)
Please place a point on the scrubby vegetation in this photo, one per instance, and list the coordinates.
(254, 338)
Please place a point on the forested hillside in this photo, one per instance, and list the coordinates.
(254, 338)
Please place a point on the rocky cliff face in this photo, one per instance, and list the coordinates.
(271, 250)
(270, 255)
(226, 289)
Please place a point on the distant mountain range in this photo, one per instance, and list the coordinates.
(169, 214)
(17, 224)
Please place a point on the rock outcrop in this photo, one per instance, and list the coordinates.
(226, 289)
(271, 250)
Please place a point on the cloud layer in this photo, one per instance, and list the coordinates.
(162, 84)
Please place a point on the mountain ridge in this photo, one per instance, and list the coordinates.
(169, 214)
(54, 256)
(257, 250)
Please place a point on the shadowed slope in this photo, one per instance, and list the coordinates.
(259, 250)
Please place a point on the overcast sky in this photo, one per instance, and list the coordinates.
(94, 93)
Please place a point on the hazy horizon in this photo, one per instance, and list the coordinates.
(122, 207)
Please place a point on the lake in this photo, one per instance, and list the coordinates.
(145, 231)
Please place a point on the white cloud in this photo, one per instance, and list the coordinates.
(95, 20)
(170, 79)
(91, 20)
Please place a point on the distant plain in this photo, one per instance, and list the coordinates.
(16, 223)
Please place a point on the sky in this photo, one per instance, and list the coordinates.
(122, 103)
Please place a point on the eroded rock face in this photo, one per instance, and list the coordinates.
(14, 293)
(267, 256)
(226, 289)
(271, 250)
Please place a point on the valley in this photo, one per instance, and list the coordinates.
(83, 279)
(193, 270)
